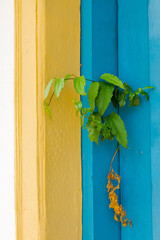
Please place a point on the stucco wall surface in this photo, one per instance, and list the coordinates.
(63, 133)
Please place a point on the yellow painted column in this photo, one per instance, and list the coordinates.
(63, 134)
(47, 152)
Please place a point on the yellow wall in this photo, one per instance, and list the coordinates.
(48, 153)
(63, 139)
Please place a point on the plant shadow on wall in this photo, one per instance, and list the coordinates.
(108, 89)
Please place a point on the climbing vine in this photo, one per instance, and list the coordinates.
(99, 125)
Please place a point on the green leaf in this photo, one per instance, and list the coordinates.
(114, 101)
(112, 79)
(104, 96)
(67, 76)
(135, 101)
(117, 127)
(85, 111)
(58, 86)
(138, 91)
(143, 93)
(82, 120)
(131, 96)
(148, 87)
(115, 97)
(92, 94)
(77, 104)
(47, 89)
(128, 89)
(106, 133)
(122, 99)
(47, 110)
(94, 127)
(79, 84)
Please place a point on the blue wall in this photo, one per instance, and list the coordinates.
(123, 39)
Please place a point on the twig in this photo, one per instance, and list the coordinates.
(114, 157)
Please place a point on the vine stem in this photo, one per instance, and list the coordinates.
(51, 99)
(85, 79)
(114, 157)
(66, 80)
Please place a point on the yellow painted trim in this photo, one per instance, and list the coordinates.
(18, 123)
(48, 153)
(29, 120)
(40, 68)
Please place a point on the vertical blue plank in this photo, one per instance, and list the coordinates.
(98, 55)
(104, 49)
(154, 63)
(135, 162)
(87, 146)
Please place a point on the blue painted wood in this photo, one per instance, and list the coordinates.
(87, 146)
(154, 67)
(138, 64)
(135, 162)
(104, 51)
(98, 55)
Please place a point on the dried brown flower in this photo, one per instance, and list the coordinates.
(120, 213)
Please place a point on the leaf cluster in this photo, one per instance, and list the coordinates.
(101, 93)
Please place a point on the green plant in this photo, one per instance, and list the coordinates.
(101, 93)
